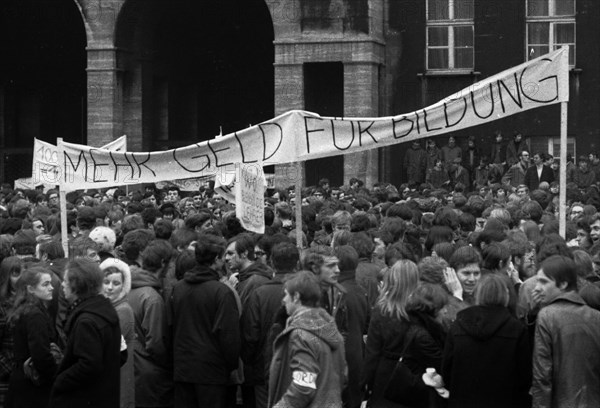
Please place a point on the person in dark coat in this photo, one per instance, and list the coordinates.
(470, 155)
(487, 358)
(352, 320)
(388, 331)
(538, 173)
(33, 334)
(152, 360)
(425, 343)
(459, 174)
(515, 147)
(366, 270)
(251, 274)
(206, 330)
(89, 373)
(240, 259)
(415, 163)
(258, 318)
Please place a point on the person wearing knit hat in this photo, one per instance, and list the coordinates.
(105, 238)
(116, 286)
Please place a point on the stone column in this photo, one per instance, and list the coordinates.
(361, 99)
(104, 88)
(289, 95)
(104, 97)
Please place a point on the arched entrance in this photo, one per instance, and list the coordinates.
(191, 68)
(42, 79)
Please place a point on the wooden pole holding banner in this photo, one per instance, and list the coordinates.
(299, 178)
(62, 194)
(562, 197)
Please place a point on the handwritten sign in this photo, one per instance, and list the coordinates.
(300, 135)
(249, 197)
(45, 167)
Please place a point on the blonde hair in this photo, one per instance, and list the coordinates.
(398, 283)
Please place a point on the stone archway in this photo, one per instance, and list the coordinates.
(42, 79)
(190, 68)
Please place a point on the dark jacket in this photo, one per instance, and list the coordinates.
(6, 341)
(584, 179)
(257, 319)
(252, 277)
(437, 178)
(308, 367)
(461, 175)
(533, 181)
(89, 373)
(498, 153)
(424, 350)
(366, 277)
(487, 359)
(352, 320)
(33, 333)
(515, 176)
(385, 343)
(470, 161)
(415, 163)
(206, 331)
(566, 356)
(152, 364)
(514, 150)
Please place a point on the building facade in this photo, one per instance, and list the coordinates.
(169, 73)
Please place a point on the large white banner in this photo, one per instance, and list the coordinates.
(45, 166)
(300, 135)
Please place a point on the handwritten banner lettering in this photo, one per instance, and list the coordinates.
(45, 167)
(300, 135)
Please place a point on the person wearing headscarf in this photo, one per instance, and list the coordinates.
(116, 286)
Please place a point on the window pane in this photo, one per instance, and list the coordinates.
(437, 10)
(437, 36)
(463, 57)
(463, 8)
(535, 51)
(571, 52)
(438, 58)
(572, 55)
(564, 33)
(564, 7)
(538, 33)
(536, 8)
(463, 36)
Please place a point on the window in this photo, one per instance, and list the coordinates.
(450, 32)
(554, 146)
(550, 25)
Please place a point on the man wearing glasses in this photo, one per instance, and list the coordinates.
(52, 198)
(515, 176)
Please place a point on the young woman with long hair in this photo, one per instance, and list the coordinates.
(387, 330)
(33, 328)
(10, 272)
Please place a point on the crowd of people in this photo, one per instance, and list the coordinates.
(165, 300)
(505, 165)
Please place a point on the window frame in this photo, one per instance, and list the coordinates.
(450, 23)
(555, 142)
(553, 21)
